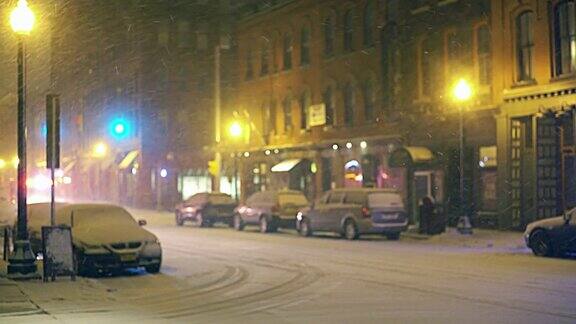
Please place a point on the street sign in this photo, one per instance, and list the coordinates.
(52, 131)
(57, 252)
(317, 115)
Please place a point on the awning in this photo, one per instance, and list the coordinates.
(286, 165)
(128, 160)
(411, 156)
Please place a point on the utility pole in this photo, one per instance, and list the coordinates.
(217, 113)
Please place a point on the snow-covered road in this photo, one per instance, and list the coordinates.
(217, 275)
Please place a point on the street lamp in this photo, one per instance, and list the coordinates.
(462, 93)
(235, 129)
(22, 262)
(100, 150)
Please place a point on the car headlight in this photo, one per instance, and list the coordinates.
(299, 216)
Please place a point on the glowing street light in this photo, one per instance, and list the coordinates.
(235, 129)
(22, 261)
(22, 18)
(462, 93)
(100, 150)
(2, 164)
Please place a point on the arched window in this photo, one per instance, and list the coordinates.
(369, 101)
(328, 37)
(304, 106)
(348, 30)
(328, 98)
(425, 68)
(349, 102)
(305, 46)
(287, 108)
(484, 54)
(264, 57)
(369, 19)
(564, 37)
(524, 46)
(287, 51)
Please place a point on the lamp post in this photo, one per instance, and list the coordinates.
(462, 93)
(22, 262)
(236, 131)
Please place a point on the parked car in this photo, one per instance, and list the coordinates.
(205, 209)
(552, 236)
(352, 212)
(270, 210)
(105, 237)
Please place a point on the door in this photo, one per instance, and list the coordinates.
(329, 216)
(422, 188)
(319, 206)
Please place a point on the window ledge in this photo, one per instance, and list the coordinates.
(524, 83)
(563, 77)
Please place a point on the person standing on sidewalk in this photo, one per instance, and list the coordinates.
(426, 215)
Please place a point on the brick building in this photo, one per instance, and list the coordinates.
(536, 123)
(379, 72)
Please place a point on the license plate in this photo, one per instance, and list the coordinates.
(128, 257)
(389, 216)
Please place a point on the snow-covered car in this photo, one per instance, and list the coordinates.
(355, 211)
(206, 208)
(105, 237)
(270, 210)
(552, 236)
(7, 214)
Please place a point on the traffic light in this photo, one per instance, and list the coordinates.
(120, 128)
(213, 167)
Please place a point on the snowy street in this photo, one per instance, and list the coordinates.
(217, 275)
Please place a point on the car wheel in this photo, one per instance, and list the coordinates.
(393, 236)
(237, 222)
(540, 244)
(199, 220)
(350, 230)
(155, 268)
(304, 228)
(264, 224)
(179, 220)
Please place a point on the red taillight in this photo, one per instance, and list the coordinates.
(366, 212)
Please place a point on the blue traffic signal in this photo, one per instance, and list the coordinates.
(119, 128)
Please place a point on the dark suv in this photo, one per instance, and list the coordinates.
(352, 212)
(205, 209)
(270, 210)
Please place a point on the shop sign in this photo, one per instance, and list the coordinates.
(317, 115)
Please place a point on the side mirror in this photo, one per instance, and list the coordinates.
(142, 222)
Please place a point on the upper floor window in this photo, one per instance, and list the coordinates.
(369, 101)
(328, 37)
(348, 30)
(287, 51)
(249, 65)
(287, 107)
(484, 54)
(454, 54)
(368, 26)
(305, 46)
(524, 46)
(564, 37)
(425, 57)
(328, 98)
(304, 106)
(183, 34)
(349, 102)
(265, 58)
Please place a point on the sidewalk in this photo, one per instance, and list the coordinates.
(13, 301)
(479, 239)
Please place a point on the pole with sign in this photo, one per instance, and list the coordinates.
(52, 145)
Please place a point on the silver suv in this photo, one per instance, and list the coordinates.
(352, 212)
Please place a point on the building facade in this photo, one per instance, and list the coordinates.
(536, 90)
(356, 93)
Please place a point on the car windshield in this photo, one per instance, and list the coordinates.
(102, 216)
(292, 199)
(221, 200)
(384, 199)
